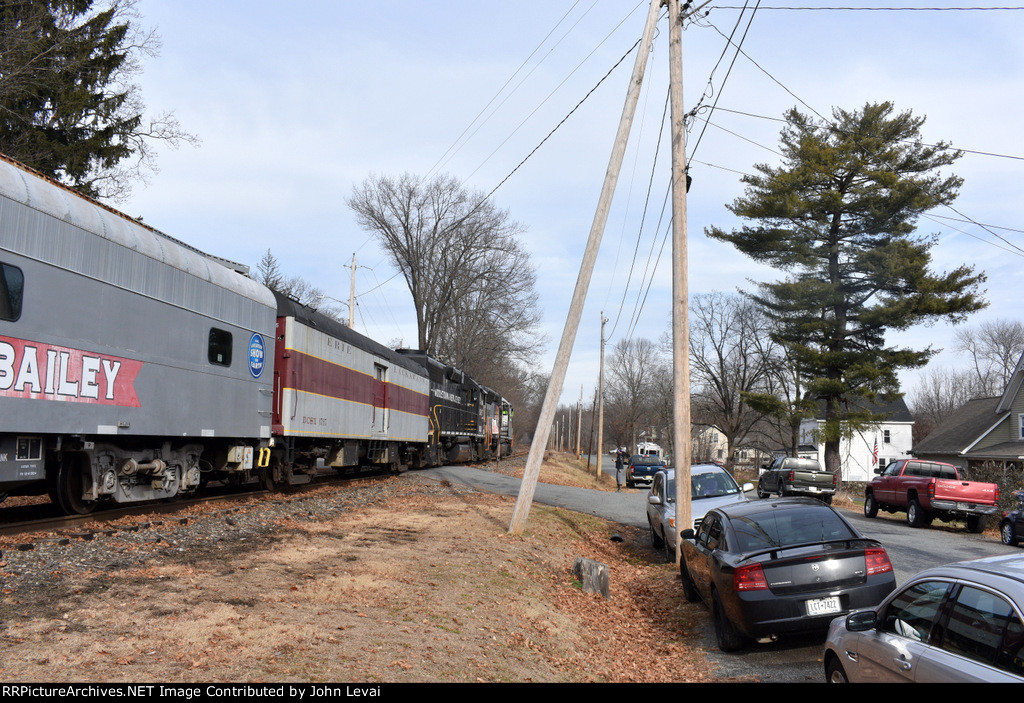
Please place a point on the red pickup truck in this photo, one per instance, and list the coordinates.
(929, 490)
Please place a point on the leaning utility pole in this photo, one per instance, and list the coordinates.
(536, 456)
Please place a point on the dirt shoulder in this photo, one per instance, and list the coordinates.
(403, 579)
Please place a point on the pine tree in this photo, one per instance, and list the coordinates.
(68, 107)
(839, 215)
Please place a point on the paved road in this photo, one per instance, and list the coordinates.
(627, 507)
(791, 660)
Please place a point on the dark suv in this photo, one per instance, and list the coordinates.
(641, 469)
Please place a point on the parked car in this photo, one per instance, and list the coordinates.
(711, 486)
(789, 475)
(929, 490)
(958, 623)
(767, 568)
(1011, 527)
(641, 469)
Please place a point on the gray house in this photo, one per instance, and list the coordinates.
(983, 433)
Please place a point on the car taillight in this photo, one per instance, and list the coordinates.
(790, 476)
(835, 479)
(877, 561)
(749, 578)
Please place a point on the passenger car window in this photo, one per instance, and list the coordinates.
(715, 537)
(985, 628)
(12, 290)
(219, 350)
(705, 528)
(913, 612)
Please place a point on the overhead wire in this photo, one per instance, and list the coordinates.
(452, 150)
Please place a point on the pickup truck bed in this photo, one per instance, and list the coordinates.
(927, 490)
(792, 476)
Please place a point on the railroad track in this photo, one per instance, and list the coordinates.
(43, 517)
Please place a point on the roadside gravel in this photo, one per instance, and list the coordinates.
(400, 579)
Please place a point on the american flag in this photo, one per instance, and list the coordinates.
(874, 453)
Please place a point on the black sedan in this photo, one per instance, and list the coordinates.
(772, 567)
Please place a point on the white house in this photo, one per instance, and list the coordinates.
(863, 451)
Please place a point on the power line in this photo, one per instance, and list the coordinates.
(878, 9)
(456, 147)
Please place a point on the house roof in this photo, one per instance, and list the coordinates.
(1003, 450)
(893, 408)
(957, 433)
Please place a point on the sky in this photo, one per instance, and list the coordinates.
(296, 104)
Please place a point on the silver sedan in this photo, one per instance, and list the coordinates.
(711, 486)
(958, 623)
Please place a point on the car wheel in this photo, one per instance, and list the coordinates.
(835, 673)
(761, 492)
(915, 516)
(670, 552)
(728, 637)
(827, 500)
(689, 590)
(1007, 535)
(976, 524)
(870, 506)
(656, 540)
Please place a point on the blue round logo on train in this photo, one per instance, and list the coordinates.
(256, 355)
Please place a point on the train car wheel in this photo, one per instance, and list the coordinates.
(71, 483)
(271, 476)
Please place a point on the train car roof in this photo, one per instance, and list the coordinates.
(38, 192)
(289, 307)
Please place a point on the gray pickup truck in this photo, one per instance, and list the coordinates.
(792, 476)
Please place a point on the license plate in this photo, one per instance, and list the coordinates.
(823, 606)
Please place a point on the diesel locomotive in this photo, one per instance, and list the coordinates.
(134, 367)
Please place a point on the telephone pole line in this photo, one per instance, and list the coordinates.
(600, 396)
(536, 456)
(680, 294)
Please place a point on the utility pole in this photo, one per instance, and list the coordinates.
(600, 400)
(352, 294)
(579, 422)
(590, 441)
(680, 303)
(532, 471)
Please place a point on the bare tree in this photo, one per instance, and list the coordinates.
(938, 394)
(268, 272)
(459, 256)
(728, 359)
(994, 349)
(630, 388)
(496, 318)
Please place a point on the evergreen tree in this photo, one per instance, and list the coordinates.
(839, 216)
(68, 107)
